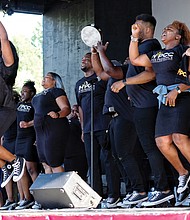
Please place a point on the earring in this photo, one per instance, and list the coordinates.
(177, 38)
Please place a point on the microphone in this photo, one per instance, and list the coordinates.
(94, 80)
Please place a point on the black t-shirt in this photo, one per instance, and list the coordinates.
(7, 80)
(119, 101)
(7, 77)
(141, 95)
(45, 101)
(166, 64)
(83, 97)
(25, 112)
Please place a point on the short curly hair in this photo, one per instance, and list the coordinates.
(183, 31)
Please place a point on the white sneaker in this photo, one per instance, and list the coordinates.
(37, 205)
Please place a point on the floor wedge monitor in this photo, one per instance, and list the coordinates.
(64, 190)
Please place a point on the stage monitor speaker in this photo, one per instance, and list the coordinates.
(63, 190)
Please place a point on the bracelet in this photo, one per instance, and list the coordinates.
(134, 39)
(58, 114)
(94, 52)
(124, 82)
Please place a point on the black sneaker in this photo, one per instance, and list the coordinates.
(8, 205)
(182, 197)
(183, 182)
(7, 172)
(25, 204)
(136, 198)
(112, 202)
(19, 166)
(158, 197)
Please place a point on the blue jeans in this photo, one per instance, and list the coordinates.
(144, 119)
(102, 156)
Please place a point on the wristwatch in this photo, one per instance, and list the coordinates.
(134, 39)
(178, 89)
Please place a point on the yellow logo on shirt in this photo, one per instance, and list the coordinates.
(181, 72)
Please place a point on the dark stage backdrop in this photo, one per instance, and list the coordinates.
(114, 18)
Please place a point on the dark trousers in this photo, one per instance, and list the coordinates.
(123, 139)
(100, 153)
(144, 119)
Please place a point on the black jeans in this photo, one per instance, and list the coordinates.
(123, 139)
(102, 155)
(145, 119)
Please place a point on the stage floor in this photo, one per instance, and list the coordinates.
(99, 214)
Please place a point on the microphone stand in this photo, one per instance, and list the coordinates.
(92, 135)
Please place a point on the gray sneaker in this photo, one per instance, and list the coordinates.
(8, 205)
(136, 198)
(158, 198)
(183, 182)
(112, 202)
(25, 204)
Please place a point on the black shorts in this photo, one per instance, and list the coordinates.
(51, 138)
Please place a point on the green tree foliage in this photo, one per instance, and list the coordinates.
(30, 58)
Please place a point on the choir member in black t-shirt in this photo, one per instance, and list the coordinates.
(139, 83)
(51, 124)
(25, 144)
(173, 121)
(83, 90)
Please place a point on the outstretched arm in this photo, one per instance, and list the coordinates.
(108, 67)
(6, 50)
(97, 66)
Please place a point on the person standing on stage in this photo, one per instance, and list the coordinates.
(139, 85)
(51, 124)
(83, 91)
(25, 143)
(172, 122)
(122, 133)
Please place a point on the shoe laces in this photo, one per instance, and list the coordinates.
(4, 169)
(127, 197)
(182, 180)
(16, 166)
(5, 172)
(134, 195)
(155, 195)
